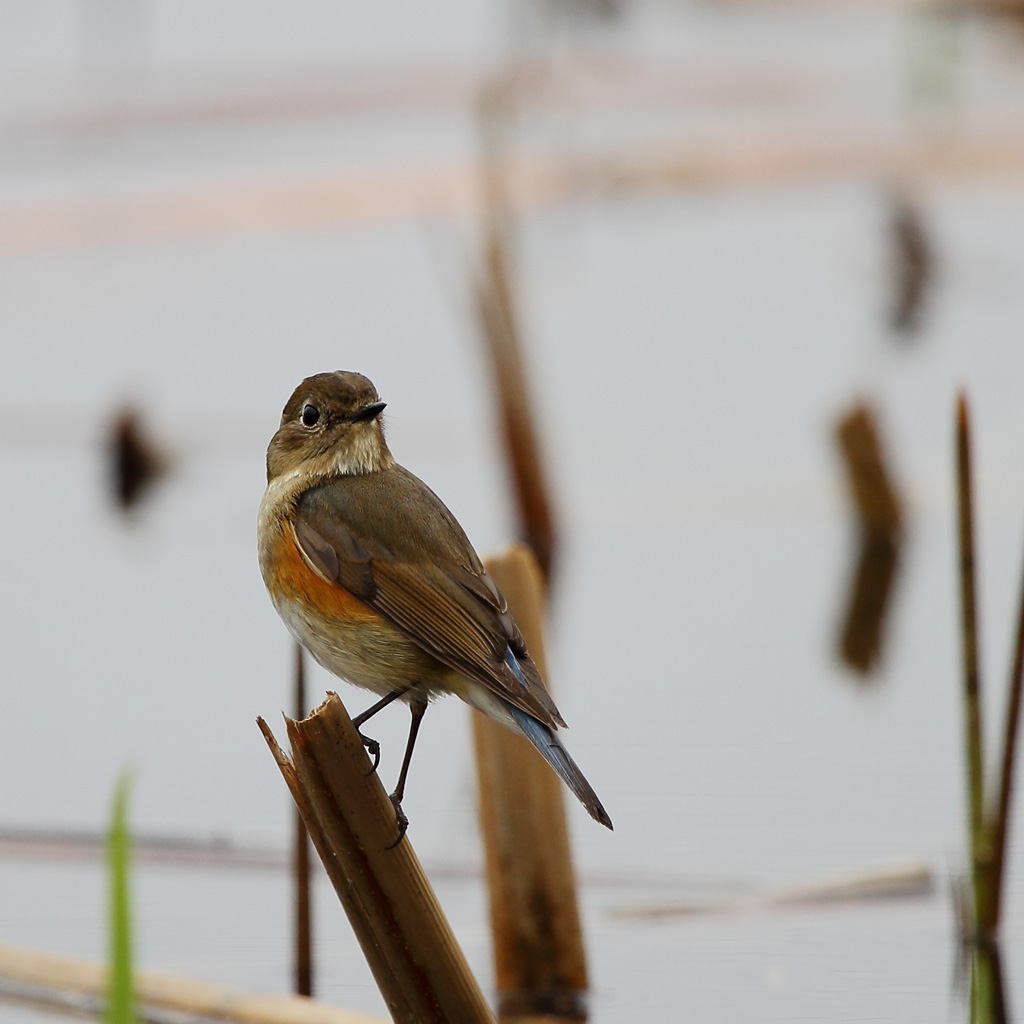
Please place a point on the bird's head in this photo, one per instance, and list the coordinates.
(330, 426)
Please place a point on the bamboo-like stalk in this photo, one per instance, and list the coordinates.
(303, 966)
(394, 913)
(66, 984)
(539, 959)
(971, 673)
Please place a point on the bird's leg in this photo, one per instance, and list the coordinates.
(418, 708)
(372, 746)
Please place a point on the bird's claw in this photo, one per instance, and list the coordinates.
(403, 821)
(373, 749)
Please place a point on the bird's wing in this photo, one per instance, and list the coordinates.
(425, 577)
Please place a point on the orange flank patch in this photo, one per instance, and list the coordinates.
(294, 579)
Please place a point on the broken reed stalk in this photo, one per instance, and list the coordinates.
(539, 960)
(404, 935)
(301, 866)
(972, 683)
(879, 522)
(502, 335)
(134, 460)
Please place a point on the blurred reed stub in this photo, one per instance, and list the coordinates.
(501, 332)
(912, 265)
(134, 461)
(878, 517)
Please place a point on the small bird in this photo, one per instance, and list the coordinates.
(376, 579)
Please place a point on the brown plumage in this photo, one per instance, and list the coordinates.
(396, 600)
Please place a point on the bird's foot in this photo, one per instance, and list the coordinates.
(403, 821)
(373, 749)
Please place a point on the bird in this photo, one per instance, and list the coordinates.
(375, 578)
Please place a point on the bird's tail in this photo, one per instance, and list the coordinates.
(550, 746)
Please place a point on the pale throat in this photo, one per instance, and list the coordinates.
(364, 452)
(361, 452)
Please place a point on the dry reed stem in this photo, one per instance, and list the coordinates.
(502, 334)
(56, 981)
(303, 965)
(540, 962)
(408, 943)
(980, 853)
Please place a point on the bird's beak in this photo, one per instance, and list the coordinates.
(369, 412)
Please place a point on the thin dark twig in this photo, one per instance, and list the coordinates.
(303, 914)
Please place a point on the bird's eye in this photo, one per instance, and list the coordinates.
(310, 415)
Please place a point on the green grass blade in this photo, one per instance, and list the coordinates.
(121, 993)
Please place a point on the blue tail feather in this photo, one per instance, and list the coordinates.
(550, 747)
